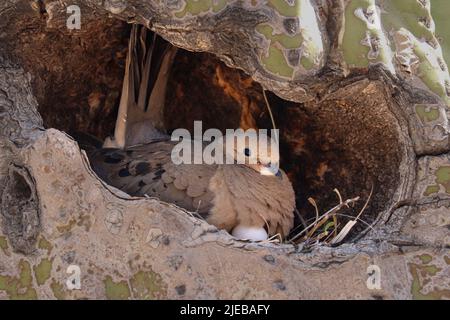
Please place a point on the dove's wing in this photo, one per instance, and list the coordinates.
(147, 170)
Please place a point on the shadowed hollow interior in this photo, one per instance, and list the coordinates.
(347, 141)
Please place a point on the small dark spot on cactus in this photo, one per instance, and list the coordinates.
(291, 25)
(433, 43)
(447, 87)
(181, 289)
(166, 240)
(293, 57)
(441, 64)
(424, 3)
(279, 284)
(269, 258)
(425, 21)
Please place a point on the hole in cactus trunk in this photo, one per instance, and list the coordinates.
(20, 209)
(346, 140)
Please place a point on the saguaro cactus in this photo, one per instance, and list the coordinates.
(368, 78)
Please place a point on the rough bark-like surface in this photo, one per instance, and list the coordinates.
(141, 248)
(76, 75)
(55, 212)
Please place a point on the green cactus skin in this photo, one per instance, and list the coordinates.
(364, 41)
(440, 10)
(411, 37)
(294, 39)
(196, 7)
(401, 35)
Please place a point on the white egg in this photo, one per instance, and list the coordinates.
(249, 233)
(267, 171)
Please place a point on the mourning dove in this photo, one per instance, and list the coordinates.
(243, 199)
(249, 200)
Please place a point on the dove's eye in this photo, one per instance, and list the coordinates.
(247, 152)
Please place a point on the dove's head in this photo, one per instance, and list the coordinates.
(255, 150)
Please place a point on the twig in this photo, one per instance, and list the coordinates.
(350, 224)
(270, 112)
(326, 214)
(302, 220)
(313, 202)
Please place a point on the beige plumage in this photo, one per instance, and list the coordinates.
(226, 195)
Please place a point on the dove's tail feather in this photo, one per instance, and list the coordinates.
(147, 70)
